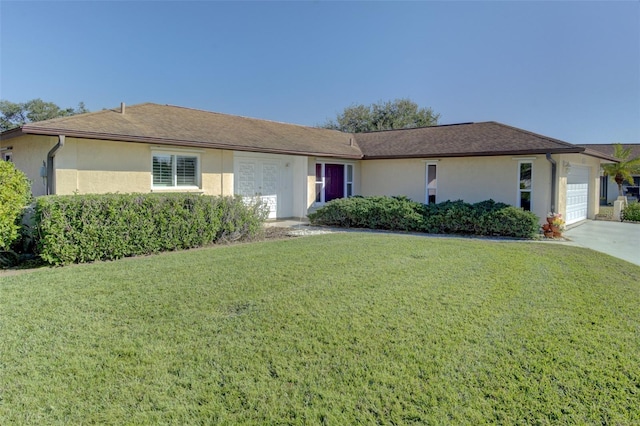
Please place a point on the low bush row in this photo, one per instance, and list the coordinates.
(449, 217)
(84, 228)
(631, 213)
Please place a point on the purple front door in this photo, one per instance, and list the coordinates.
(333, 181)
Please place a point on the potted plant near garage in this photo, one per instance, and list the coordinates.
(554, 226)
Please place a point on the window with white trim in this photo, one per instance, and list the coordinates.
(333, 181)
(348, 184)
(525, 176)
(432, 183)
(7, 156)
(175, 170)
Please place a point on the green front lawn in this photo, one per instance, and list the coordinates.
(336, 329)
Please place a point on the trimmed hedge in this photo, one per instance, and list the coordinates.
(378, 212)
(15, 193)
(85, 228)
(631, 213)
(450, 217)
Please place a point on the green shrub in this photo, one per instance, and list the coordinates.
(631, 213)
(15, 193)
(392, 213)
(449, 217)
(84, 228)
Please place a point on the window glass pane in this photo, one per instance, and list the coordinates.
(431, 178)
(525, 175)
(349, 189)
(318, 172)
(186, 171)
(163, 170)
(525, 200)
(603, 188)
(349, 173)
(318, 192)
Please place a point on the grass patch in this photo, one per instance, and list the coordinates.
(332, 329)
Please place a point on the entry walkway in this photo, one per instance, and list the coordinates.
(618, 239)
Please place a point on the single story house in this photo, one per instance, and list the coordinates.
(158, 148)
(608, 187)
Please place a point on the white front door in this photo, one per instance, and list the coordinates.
(577, 194)
(258, 178)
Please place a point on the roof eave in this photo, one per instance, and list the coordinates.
(576, 150)
(600, 155)
(12, 133)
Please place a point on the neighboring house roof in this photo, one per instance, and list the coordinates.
(172, 125)
(179, 126)
(607, 148)
(461, 140)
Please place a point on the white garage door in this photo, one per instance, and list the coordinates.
(258, 178)
(577, 194)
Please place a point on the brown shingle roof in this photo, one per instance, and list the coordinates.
(459, 140)
(172, 125)
(607, 148)
(165, 124)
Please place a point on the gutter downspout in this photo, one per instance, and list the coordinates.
(52, 153)
(553, 181)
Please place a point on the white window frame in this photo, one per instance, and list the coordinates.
(348, 185)
(426, 182)
(175, 154)
(7, 156)
(521, 190)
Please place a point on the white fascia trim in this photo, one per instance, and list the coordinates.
(155, 148)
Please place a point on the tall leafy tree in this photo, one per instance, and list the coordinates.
(16, 114)
(624, 169)
(389, 115)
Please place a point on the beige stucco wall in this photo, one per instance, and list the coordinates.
(29, 152)
(394, 177)
(92, 166)
(87, 166)
(470, 179)
(100, 166)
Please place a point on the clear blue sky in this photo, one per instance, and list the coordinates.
(569, 70)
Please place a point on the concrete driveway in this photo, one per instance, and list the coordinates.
(618, 239)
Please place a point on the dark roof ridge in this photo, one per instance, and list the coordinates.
(413, 128)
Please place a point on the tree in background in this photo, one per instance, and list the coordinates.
(16, 114)
(398, 114)
(625, 169)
